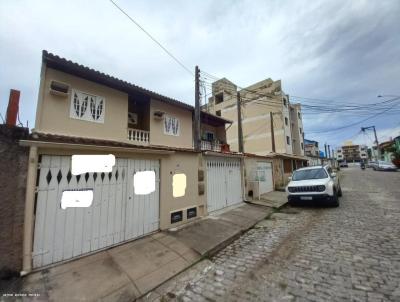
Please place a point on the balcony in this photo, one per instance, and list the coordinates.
(140, 137)
(210, 145)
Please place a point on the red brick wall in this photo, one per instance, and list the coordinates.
(13, 171)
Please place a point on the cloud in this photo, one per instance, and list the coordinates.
(334, 50)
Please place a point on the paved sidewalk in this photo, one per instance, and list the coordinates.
(274, 199)
(129, 271)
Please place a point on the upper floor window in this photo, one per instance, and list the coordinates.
(286, 121)
(302, 146)
(87, 107)
(301, 131)
(171, 125)
(209, 136)
(288, 140)
(219, 98)
(299, 115)
(284, 102)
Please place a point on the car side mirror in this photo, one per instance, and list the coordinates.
(333, 174)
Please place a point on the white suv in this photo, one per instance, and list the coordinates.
(317, 183)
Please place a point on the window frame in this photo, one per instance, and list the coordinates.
(87, 115)
(171, 133)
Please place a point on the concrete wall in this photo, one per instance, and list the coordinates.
(297, 129)
(250, 165)
(279, 177)
(53, 114)
(157, 136)
(13, 169)
(189, 164)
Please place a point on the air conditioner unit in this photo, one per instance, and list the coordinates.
(59, 88)
(158, 115)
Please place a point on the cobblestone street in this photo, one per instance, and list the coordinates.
(350, 253)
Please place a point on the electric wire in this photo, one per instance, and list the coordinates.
(152, 38)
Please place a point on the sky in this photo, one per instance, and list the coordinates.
(336, 51)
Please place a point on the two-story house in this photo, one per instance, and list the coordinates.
(156, 180)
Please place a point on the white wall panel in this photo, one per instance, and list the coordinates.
(223, 182)
(116, 214)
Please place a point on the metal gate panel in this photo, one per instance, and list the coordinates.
(264, 176)
(234, 181)
(142, 212)
(224, 185)
(62, 234)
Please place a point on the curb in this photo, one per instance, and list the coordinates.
(214, 250)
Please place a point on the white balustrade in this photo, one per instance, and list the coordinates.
(213, 146)
(139, 136)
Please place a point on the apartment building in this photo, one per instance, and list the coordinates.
(352, 153)
(265, 109)
(311, 148)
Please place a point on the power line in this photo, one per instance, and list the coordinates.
(331, 107)
(359, 110)
(154, 39)
(356, 123)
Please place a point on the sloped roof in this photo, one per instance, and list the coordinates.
(67, 66)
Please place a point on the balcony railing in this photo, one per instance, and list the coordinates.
(213, 146)
(139, 136)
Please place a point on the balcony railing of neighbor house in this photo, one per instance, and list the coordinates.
(213, 146)
(139, 136)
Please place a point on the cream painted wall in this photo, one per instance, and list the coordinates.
(157, 136)
(180, 162)
(256, 122)
(54, 112)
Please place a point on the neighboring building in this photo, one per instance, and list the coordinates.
(352, 153)
(390, 150)
(311, 148)
(258, 101)
(311, 151)
(158, 180)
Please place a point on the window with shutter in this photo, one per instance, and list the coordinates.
(87, 107)
(171, 125)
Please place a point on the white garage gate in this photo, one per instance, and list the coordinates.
(264, 176)
(116, 214)
(224, 182)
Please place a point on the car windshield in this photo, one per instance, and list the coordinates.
(381, 162)
(309, 174)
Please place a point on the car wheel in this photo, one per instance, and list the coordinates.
(340, 194)
(335, 200)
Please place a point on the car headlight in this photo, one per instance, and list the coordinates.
(321, 188)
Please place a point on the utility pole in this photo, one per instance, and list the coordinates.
(376, 139)
(326, 153)
(329, 151)
(197, 142)
(272, 131)
(240, 129)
